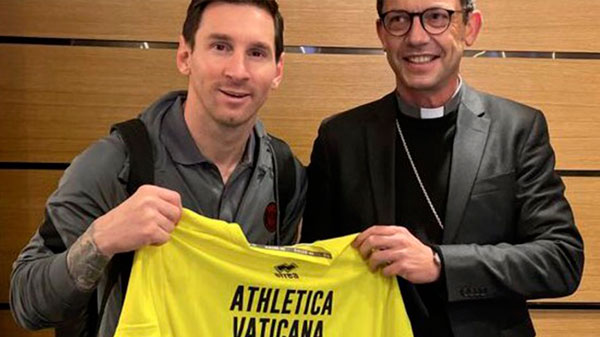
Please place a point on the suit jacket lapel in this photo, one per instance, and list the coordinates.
(381, 143)
(471, 134)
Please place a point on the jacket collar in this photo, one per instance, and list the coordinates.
(178, 140)
(472, 128)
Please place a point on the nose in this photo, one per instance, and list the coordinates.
(236, 68)
(417, 35)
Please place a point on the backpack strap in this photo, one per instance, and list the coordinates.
(141, 172)
(285, 174)
(141, 160)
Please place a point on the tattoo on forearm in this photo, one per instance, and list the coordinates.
(85, 262)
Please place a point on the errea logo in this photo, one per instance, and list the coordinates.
(286, 271)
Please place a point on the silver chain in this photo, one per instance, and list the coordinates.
(412, 163)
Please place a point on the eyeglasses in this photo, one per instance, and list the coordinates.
(435, 21)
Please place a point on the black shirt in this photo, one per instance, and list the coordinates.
(430, 144)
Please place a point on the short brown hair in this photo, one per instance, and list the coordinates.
(197, 7)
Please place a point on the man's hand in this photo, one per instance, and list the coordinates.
(146, 218)
(397, 252)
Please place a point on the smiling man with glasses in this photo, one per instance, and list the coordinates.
(454, 190)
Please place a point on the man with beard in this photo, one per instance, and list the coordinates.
(211, 155)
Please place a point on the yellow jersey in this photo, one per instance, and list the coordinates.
(209, 281)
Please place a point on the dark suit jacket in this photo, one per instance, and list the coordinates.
(509, 232)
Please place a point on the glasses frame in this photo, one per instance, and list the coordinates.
(421, 16)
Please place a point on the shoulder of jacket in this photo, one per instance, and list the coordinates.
(493, 103)
(358, 115)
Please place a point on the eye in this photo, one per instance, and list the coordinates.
(220, 46)
(398, 17)
(258, 53)
(437, 17)
(397, 20)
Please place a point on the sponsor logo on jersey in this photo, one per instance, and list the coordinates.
(285, 270)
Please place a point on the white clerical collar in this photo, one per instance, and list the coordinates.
(431, 113)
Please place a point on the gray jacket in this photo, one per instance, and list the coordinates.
(43, 294)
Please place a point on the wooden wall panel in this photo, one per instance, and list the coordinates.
(148, 20)
(540, 25)
(508, 24)
(568, 91)
(582, 193)
(50, 109)
(24, 194)
(54, 101)
(562, 323)
(9, 328)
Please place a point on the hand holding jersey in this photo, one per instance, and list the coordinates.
(146, 218)
(208, 280)
(397, 252)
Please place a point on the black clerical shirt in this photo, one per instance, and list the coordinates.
(430, 144)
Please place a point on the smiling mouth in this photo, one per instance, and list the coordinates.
(421, 59)
(234, 94)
